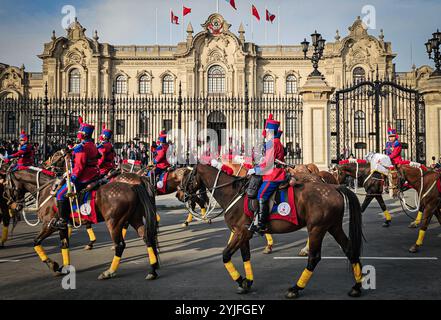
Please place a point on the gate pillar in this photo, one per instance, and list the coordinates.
(316, 94)
(431, 90)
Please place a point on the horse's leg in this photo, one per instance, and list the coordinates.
(190, 215)
(69, 230)
(119, 244)
(246, 258)
(386, 213)
(427, 216)
(315, 246)
(233, 244)
(123, 232)
(152, 250)
(416, 223)
(341, 238)
(5, 228)
(366, 202)
(92, 237)
(269, 244)
(305, 250)
(64, 239)
(44, 233)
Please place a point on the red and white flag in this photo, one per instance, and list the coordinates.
(185, 11)
(232, 3)
(174, 19)
(270, 16)
(255, 13)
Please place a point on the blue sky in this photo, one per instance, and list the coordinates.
(25, 25)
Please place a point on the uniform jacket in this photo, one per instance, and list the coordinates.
(25, 154)
(161, 157)
(106, 162)
(267, 167)
(393, 150)
(85, 164)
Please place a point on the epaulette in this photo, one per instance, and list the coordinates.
(24, 147)
(159, 148)
(78, 148)
(396, 143)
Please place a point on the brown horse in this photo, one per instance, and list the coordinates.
(320, 208)
(372, 182)
(117, 203)
(428, 186)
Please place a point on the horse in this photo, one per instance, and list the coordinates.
(428, 186)
(320, 208)
(372, 182)
(117, 203)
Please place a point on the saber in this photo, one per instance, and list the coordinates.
(72, 195)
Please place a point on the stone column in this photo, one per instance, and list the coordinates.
(315, 94)
(431, 90)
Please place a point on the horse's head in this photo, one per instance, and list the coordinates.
(189, 184)
(13, 191)
(56, 161)
(396, 180)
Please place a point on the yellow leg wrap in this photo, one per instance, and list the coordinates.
(91, 234)
(69, 231)
(40, 251)
(248, 270)
(11, 213)
(124, 233)
(189, 218)
(66, 257)
(419, 218)
(387, 215)
(152, 256)
(203, 212)
(356, 267)
(158, 218)
(232, 270)
(307, 244)
(269, 239)
(5, 231)
(231, 237)
(304, 278)
(420, 238)
(115, 264)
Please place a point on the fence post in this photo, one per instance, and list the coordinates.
(179, 145)
(46, 104)
(112, 110)
(247, 119)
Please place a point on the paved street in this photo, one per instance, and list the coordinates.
(192, 263)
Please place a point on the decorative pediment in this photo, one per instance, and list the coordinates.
(76, 31)
(217, 55)
(216, 25)
(358, 29)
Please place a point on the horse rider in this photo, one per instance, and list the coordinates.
(273, 173)
(106, 162)
(160, 160)
(393, 147)
(25, 153)
(85, 170)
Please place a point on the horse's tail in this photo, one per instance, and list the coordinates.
(355, 223)
(147, 198)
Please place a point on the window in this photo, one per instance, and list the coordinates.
(120, 126)
(74, 81)
(216, 80)
(144, 84)
(358, 75)
(268, 84)
(360, 124)
(167, 125)
(291, 84)
(11, 123)
(401, 126)
(168, 84)
(121, 85)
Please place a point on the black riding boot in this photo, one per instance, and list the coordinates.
(64, 215)
(263, 217)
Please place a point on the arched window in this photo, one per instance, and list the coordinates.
(360, 124)
(216, 80)
(121, 85)
(145, 84)
(168, 84)
(358, 75)
(268, 84)
(74, 81)
(291, 84)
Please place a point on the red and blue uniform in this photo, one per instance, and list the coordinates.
(273, 174)
(160, 161)
(25, 153)
(106, 161)
(393, 149)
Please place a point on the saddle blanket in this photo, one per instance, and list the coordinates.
(87, 208)
(161, 186)
(284, 207)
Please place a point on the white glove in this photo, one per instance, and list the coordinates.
(251, 172)
(214, 163)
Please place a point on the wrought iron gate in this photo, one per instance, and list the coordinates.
(361, 114)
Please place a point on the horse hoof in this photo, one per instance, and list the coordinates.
(268, 249)
(88, 247)
(414, 249)
(113, 248)
(355, 292)
(107, 275)
(152, 276)
(185, 224)
(386, 224)
(53, 266)
(413, 225)
(304, 252)
(241, 290)
(293, 293)
(2, 245)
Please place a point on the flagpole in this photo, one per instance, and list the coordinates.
(278, 25)
(217, 6)
(266, 26)
(156, 25)
(170, 28)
